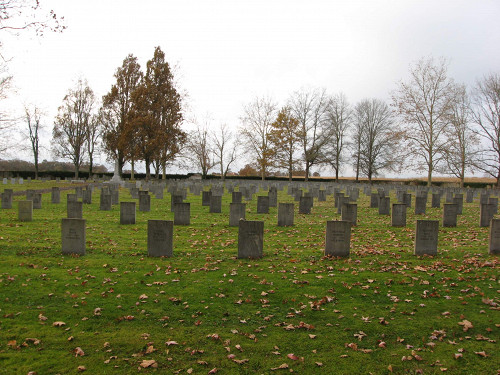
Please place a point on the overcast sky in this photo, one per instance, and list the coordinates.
(229, 51)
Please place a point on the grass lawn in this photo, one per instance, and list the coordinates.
(117, 311)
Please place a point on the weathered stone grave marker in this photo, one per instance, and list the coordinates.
(250, 239)
(73, 236)
(338, 238)
(160, 238)
(426, 237)
(127, 212)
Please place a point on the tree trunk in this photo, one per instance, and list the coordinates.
(120, 164)
(148, 170)
(429, 177)
(306, 178)
(36, 167)
(91, 166)
(164, 171)
(337, 174)
(132, 169)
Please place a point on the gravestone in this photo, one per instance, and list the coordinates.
(420, 205)
(25, 211)
(486, 213)
(105, 202)
(469, 197)
(174, 199)
(483, 198)
(37, 201)
(5, 181)
(29, 194)
(273, 197)
(74, 210)
(73, 236)
(450, 212)
(350, 213)
(7, 198)
(236, 213)
(236, 197)
(494, 237)
(79, 192)
(55, 195)
(127, 212)
(71, 198)
(407, 199)
(215, 204)
(297, 195)
(384, 206)
(426, 237)
(262, 204)
(338, 238)
(305, 205)
(115, 197)
(160, 238)
(338, 198)
(285, 214)
(374, 200)
(322, 196)
(494, 202)
(21, 181)
(205, 198)
(459, 201)
(182, 213)
(250, 239)
(87, 196)
(342, 201)
(134, 192)
(144, 202)
(398, 217)
(159, 192)
(436, 200)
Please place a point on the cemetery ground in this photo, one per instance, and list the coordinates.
(116, 310)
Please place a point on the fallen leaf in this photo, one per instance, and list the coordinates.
(481, 354)
(466, 325)
(58, 324)
(78, 352)
(149, 363)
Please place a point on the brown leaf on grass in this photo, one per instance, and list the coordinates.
(466, 325)
(78, 352)
(458, 355)
(213, 371)
(481, 354)
(149, 363)
(12, 344)
(319, 364)
(241, 361)
(58, 324)
(81, 368)
(42, 318)
(292, 356)
(168, 343)
(280, 367)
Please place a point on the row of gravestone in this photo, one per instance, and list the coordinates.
(251, 238)
(109, 197)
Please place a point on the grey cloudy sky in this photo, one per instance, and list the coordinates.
(229, 51)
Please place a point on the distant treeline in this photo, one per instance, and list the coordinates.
(48, 167)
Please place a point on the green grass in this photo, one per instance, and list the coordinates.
(381, 310)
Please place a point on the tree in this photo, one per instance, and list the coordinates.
(338, 119)
(199, 149)
(309, 107)
(248, 170)
(33, 116)
(379, 141)
(17, 15)
(116, 114)
(461, 151)
(257, 119)
(72, 122)
(93, 135)
(225, 149)
(157, 115)
(486, 115)
(284, 136)
(423, 104)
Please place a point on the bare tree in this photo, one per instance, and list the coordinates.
(379, 141)
(486, 115)
(309, 107)
(33, 116)
(17, 15)
(199, 150)
(461, 152)
(71, 124)
(6, 119)
(338, 119)
(423, 103)
(94, 134)
(225, 149)
(257, 119)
